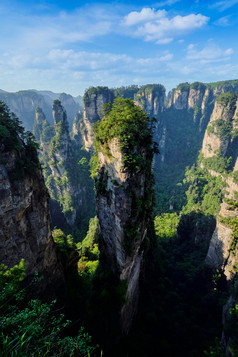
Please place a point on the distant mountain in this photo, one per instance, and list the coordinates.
(24, 103)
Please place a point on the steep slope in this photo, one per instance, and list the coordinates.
(66, 172)
(220, 155)
(94, 100)
(24, 211)
(180, 133)
(213, 191)
(24, 103)
(150, 97)
(124, 197)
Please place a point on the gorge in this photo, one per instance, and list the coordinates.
(186, 270)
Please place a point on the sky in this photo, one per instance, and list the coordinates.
(69, 46)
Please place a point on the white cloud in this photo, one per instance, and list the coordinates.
(210, 53)
(146, 14)
(225, 4)
(79, 60)
(164, 41)
(223, 21)
(159, 27)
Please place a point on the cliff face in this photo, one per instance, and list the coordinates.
(71, 106)
(220, 141)
(76, 129)
(151, 98)
(124, 202)
(24, 103)
(94, 99)
(195, 98)
(24, 211)
(61, 155)
(66, 171)
(219, 136)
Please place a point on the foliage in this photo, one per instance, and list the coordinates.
(166, 225)
(217, 162)
(225, 85)
(183, 87)
(126, 91)
(130, 125)
(157, 89)
(33, 328)
(231, 330)
(10, 280)
(89, 252)
(215, 351)
(176, 295)
(198, 86)
(221, 128)
(14, 138)
(181, 150)
(232, 223)
(55, 143)
(235, 176)
(65, 243)
(105, 91)
(205, 192)
(65, 173)
(227, 98)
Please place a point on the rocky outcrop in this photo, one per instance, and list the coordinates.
(77, 128)
(24, 103)
(59, 181)
(198, 98)
(24, 214)
(42, 130)
(220, 137)
(123, 202)
(94, 100)
(71, 107)
(151, 98)
(66, 172)
(219, 133)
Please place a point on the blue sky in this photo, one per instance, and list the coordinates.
(68, 46)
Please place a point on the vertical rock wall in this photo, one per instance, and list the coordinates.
(24, 215)
(124, 204)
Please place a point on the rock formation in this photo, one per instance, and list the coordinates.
(220, 140)
(77, 128)
(151, 98)
(24, 103)
(124, 198)
(94, 100)
(66, 171)
(24, 210)
(71, 107)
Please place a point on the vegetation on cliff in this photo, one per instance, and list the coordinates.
(127, 122)
(13, 138)
(178, 292)
(66, 173)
